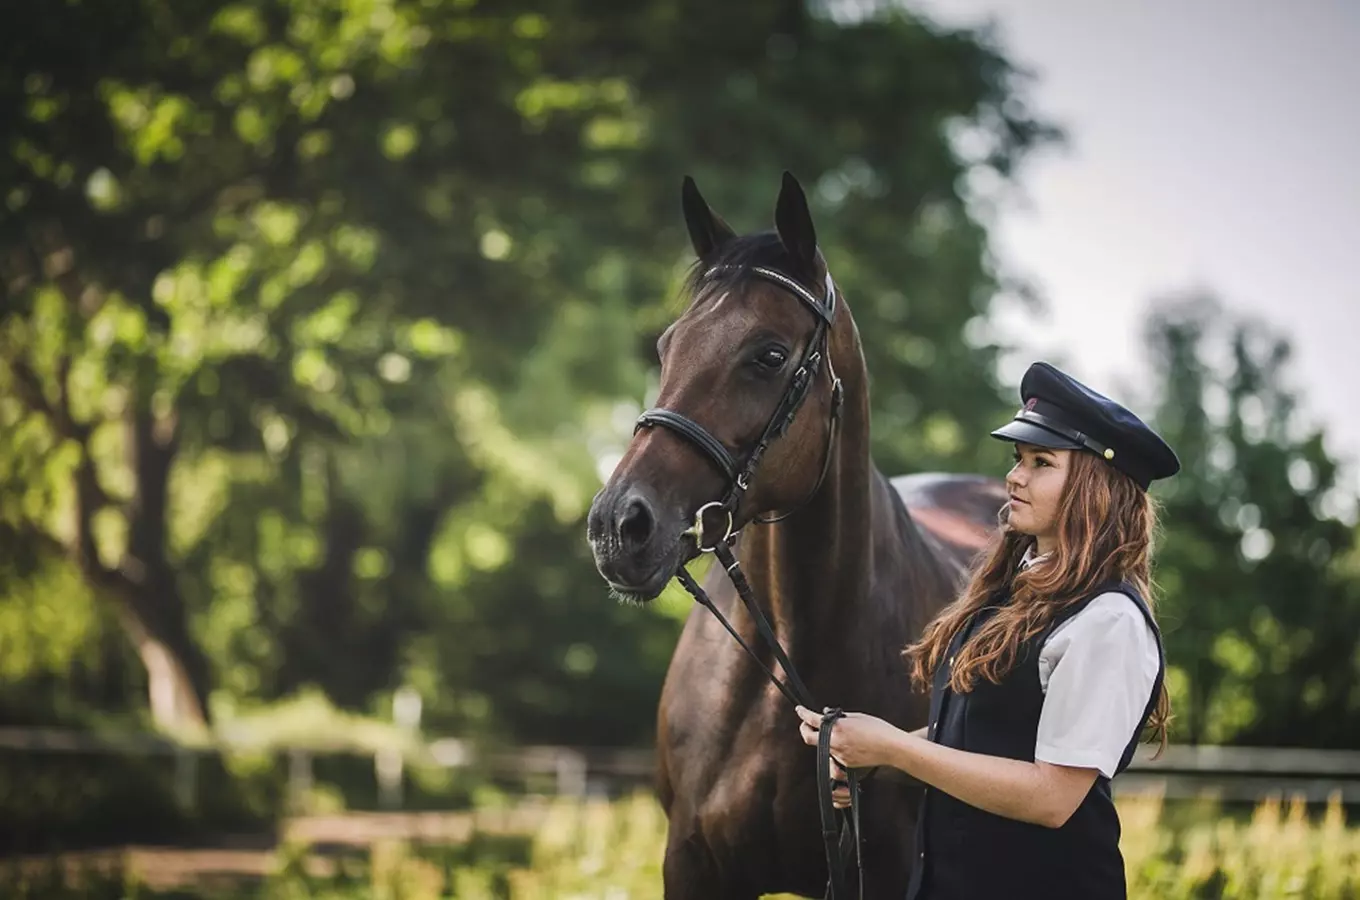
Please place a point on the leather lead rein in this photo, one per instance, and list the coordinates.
(840, 831)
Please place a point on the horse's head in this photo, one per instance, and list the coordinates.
(727, 441)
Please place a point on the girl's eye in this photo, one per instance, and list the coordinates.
(1041, 462)
(772, 358)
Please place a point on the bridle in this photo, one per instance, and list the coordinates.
(739, 476)
(837, 837)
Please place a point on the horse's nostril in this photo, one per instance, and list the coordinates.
(636, 524)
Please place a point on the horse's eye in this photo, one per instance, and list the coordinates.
(772, 358)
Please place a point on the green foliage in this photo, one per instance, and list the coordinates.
(322, 318)
(321, 315)
(67, 801)
(1257, 560)
(62, 656)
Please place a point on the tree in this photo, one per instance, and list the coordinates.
(319, 315)
(1257, 562)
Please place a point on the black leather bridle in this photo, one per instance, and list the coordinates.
(838, 837)
(739, 474)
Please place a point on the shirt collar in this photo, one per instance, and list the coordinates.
(1030, 558)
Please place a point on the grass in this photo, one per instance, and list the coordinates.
(1279, 851)
(612, 851)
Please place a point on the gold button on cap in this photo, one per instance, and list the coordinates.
(1109, 454)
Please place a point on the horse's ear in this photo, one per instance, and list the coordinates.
(707, 231)
(793, 221)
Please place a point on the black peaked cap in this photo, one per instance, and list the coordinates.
(1064, 414)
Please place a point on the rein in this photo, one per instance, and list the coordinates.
(838, 837)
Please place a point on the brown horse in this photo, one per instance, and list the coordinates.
(849, 575)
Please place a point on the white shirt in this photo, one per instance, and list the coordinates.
(1097, 670)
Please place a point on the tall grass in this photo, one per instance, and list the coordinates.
(612, 851)
(1278, 852)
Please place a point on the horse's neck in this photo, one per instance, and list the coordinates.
(811, 572)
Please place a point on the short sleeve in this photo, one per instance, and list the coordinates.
(1100, 667)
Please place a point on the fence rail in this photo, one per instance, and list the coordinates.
(1182, 771)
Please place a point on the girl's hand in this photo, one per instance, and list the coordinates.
(858, 741)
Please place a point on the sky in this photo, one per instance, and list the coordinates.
(1212, 145)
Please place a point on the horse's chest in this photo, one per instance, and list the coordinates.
(739, 773)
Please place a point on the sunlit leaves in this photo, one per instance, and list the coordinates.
(384, 268)
(108, 447)
(314, 144)
(520, 471)
(613, 133)
(153, 122)
(48, 620)
(357, 245)
(277, 223)
(103, 189)
(241, 21)
(227, 274)
(484, 547)
(274, 65)
(371, 563)
(547, 96)
(399, 140)
(394, 367)
(312, 369)
(230, 627)
(199, 491)
(308, 264)
(530, 26)
(495, 244)
(427, 338)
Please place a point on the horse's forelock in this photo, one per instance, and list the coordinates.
(730, 268)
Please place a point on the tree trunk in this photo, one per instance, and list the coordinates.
(153, 608)
(177, 699)
(143, 584)
(149, 604)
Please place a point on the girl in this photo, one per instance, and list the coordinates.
(1045, 670)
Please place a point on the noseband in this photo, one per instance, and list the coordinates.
(838, 840)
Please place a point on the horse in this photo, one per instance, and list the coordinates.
(848, 565)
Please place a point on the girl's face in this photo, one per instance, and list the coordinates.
(1035, 485)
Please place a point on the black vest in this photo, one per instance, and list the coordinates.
(965, 853)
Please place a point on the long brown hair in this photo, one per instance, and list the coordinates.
(1106, 525)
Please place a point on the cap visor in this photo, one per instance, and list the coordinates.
(1028, 433)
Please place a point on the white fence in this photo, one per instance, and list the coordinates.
(1226, 773)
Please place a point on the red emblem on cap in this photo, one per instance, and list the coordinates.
(1029, 404)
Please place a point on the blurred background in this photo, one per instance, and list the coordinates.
(323, 321)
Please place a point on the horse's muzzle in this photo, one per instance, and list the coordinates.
(636, 547)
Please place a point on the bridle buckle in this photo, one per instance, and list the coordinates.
(697, 529)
